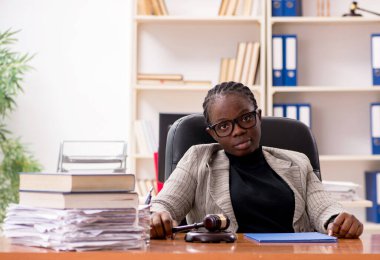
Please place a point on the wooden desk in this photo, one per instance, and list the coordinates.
(368, 247)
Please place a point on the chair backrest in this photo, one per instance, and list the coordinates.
(276, 132)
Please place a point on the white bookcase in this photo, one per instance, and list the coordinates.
(335, 77)
(190, 41)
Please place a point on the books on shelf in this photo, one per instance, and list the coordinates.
(243, 68)
(146, 140)
(152, 7)
(76, 182)
(239, 8)
(82, 200)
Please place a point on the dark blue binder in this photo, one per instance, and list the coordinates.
(277, 60)
(375, 54)
(292, 8)
(305, 237)
(372, 191)
(375, 127)
(290, 59)
(277, 7)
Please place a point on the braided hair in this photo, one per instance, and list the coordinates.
(225, 88)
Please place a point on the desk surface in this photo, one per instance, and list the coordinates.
(367, 247)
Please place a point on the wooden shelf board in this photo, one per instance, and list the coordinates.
(190, 19)
(357, 204)
(353, 158)
(369, 226)
(181, 87)
(324, 89)
(322, 20)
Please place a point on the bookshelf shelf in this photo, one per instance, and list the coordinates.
(323, 20)
(357, 204)
(349, 158)
(325, 89)
(197, 19)
(180, 88)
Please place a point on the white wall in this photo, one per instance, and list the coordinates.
(79, 88)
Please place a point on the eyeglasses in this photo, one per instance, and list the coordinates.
(225, 128)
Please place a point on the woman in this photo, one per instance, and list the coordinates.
(260, 189)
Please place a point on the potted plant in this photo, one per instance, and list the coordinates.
(14, 157)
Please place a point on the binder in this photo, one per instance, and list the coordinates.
(290, 61)
(304, 114)
(303, 237)
(375, 53)
(292, 8)
(372, 190)
(277, 60)
(291, 112)
(277, 7)
(278, 110)
(375, 127)
(301, 112)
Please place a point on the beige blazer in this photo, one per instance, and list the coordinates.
(200, 185)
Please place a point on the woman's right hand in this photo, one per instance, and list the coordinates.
(161, 224)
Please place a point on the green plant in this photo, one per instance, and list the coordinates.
(14, 157)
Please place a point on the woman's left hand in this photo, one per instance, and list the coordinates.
(345, 226)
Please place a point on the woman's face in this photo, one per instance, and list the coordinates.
(229, 107)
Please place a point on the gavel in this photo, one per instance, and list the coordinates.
(212, 222)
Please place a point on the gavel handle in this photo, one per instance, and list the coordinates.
(187, 227)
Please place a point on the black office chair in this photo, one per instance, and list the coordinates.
(277, 132)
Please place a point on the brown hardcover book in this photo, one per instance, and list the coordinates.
(247, 7)
(159, 77)
(162, 5)
(232, 7)
(240, 61)
(79, 200)
(144, 7)
(223, 7)
(247, 62)
(231, 69)
(77, 182)
(223, 70)
(254, 64)
(156, 7)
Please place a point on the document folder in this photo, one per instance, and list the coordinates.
(278, 60)
(375, 127)
(375, 43)
(290, 75)
(305, 237)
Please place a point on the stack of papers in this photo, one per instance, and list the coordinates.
(77, 229)
(342, 190)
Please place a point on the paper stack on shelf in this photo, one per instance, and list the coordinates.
(342, 190)
(77, 229)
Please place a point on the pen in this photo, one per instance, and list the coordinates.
(149, 196)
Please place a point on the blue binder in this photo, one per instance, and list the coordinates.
(277, 60)
(372, 190)
(305, 237)
(375, 127)
(277, 7)
(290, 59)
(298, 111)
(375, 54)
(292, 8)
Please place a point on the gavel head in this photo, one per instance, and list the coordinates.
(216, 222)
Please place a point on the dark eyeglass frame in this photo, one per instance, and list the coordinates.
(235, 121)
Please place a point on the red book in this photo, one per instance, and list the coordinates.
(159, 184)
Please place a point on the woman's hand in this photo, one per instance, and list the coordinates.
(345, 226)
(161, 224)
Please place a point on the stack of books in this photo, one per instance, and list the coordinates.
(78, 212)
(239, 7)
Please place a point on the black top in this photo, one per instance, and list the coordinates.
(262, 201)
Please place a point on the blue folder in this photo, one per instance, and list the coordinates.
(305, 237)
